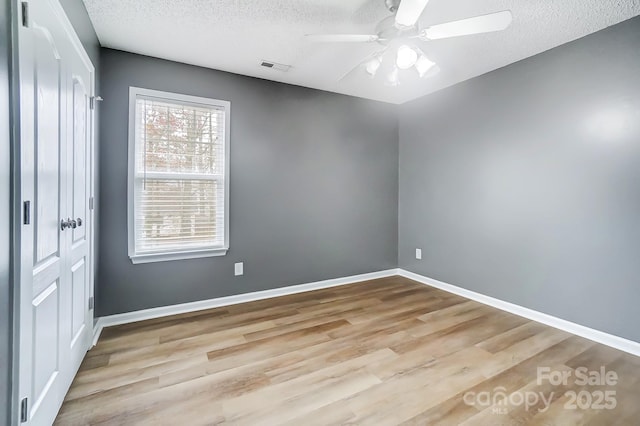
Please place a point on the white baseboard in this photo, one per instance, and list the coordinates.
(182, 308)
(589, 333)
(611, 340)
(97, 330)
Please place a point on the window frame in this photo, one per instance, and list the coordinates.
(187, 253)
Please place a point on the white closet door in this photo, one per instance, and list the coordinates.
(80, 326)
(55, 122)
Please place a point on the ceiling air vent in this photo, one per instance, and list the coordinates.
(275, 66)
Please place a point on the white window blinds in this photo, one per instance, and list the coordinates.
(179, 176)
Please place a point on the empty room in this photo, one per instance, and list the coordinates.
(320, 212)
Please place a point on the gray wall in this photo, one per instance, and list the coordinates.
(524, 184)
(5, 223)
(314, 187)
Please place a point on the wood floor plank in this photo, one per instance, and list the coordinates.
(382, 352)
(523, 350)
(509, 338)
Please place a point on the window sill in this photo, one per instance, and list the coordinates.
(179, 255)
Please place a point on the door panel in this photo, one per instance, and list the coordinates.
(56, 83)
(49, 195)
(48, 144)
(78, 300)
(46, 333)
(79, 150)
(80, 156)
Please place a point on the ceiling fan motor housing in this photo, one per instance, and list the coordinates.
(387, 30)
(392, 5)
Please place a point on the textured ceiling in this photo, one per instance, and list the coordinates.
(235, 35)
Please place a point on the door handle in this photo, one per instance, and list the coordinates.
(69, 223)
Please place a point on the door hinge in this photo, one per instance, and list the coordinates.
(26, 212)
(93, 100)
(90, 203)
(91, 302)
(25, 14)
(24, 408)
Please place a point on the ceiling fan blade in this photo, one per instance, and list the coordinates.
(409, 12)
(480, 24)
(342, 38)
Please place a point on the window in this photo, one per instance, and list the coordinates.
(178, 176)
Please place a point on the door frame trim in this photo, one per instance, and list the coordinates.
(16, 204)
(15, 211)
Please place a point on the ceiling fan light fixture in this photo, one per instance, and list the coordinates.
(406, 57)
(373, 65)
(393, 78)
(393, 32)
(424, 65)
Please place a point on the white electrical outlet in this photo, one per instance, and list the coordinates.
(239, 268)
(419, 254)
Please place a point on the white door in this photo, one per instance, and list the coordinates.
(80, 326)
(56, 83)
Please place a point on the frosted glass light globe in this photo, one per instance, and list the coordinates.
(372, 66)
(406, 58)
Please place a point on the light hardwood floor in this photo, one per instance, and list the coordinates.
(387, 351)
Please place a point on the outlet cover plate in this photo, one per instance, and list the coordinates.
(239, 268)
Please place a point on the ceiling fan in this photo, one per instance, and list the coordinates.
(400, 33)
